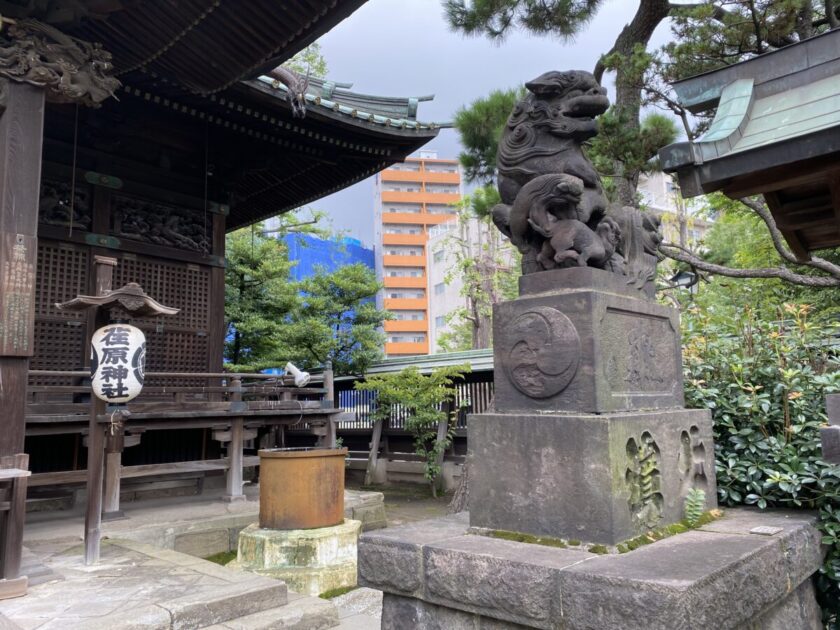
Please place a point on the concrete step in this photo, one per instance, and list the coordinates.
(359, 622)
(225, 603)
(301, 613)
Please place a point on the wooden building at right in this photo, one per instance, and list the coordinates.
(776, 133)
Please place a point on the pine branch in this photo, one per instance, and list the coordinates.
(684, 255)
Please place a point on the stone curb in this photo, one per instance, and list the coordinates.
(720, 575)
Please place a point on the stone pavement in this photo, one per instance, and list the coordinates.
(152, 575)
(199, 526)
(143, 581)
(139, 586)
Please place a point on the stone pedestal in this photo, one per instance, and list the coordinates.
(598, 478)
(590, 439)
(437, 575)
(310, 561)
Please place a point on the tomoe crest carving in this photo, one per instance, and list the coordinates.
(542, 350)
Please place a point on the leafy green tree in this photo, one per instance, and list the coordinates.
(335, 319)
(271, 320)
(258, 297)
(629, 149)
(425, 401)
(309, 61)
(480, 126)
(487, 267)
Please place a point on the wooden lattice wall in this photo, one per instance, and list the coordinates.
(173, 251)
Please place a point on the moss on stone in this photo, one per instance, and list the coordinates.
(222, 558)
(602, 549)
(622, 548)
(574, 542)
(546, 541)
(336, 592)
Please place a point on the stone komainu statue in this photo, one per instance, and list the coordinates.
(553, 205)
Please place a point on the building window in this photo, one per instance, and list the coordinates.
(440, 321)
(438, 256)
(440, 288)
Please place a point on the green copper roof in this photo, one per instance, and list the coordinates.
(764, 106)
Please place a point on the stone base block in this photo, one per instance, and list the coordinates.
(436, 575)
(597, 478)
(310, 561)
(576, 342)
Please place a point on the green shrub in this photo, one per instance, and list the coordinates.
(425, 401)
(765, 380)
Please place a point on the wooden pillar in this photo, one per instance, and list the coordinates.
(373, 456)
(111, 501)
(332, 422)
(21, 139)
(235, 459)
(104, 273)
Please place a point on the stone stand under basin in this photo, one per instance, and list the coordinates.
(749, 570)
(310, 561)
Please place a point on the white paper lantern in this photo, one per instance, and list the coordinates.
(118, 362)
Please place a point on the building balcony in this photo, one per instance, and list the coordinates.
(400, 196)
(440, 198)
(437, 219)
(406, 304)
(441, 178)
(407, 348)
(394, 282)
(403, 239)
(401, 176)
(410, 218)
(424, 176)
(407, 325)
(404, 261)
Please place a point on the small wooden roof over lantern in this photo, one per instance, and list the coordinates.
(130, 298)
(776, 132)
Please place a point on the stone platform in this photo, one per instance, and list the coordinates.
(437, 576)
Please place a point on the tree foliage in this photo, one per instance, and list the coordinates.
(764, 376)
(335, 319)
(632, 150)
(309, 61)
(486, 266)
(495, 18)
(480, 126)
(271, 319)
(258, 297)
(425, 401)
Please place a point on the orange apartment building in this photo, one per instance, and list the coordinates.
(411, 198)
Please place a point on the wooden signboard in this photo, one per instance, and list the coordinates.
(17, 295)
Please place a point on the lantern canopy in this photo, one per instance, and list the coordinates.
(118, 362)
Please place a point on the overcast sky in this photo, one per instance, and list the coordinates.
(405, 48)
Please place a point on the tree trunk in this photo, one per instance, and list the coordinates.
(460, 500)
(628, 89)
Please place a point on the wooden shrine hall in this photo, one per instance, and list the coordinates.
(133, 136)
